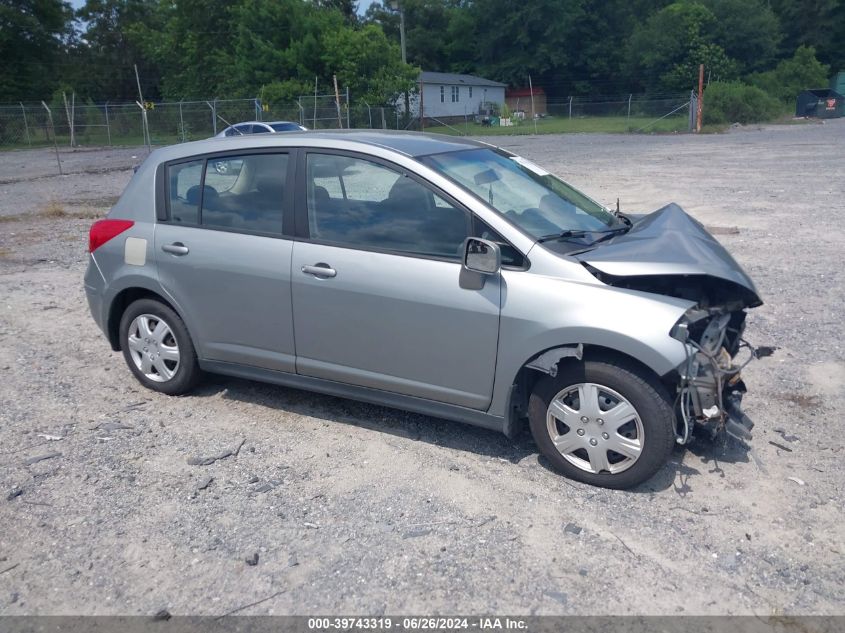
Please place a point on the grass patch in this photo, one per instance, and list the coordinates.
(565, 125)
(53, 209)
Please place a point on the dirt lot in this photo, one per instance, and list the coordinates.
(360, 509)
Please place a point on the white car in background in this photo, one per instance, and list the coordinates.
(260, 127)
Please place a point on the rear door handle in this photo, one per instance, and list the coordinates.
(320, 270)
(177, 248)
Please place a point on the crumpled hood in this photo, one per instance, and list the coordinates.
(667, 242)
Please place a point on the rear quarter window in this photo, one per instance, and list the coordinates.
(185, 184)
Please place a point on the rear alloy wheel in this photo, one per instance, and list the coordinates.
(157, 347)
(604, 423)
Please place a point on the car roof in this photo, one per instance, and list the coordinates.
(413, 144)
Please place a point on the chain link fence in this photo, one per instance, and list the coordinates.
(39, 125)
(164, 123)
(616, 114)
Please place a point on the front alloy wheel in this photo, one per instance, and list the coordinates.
(595, 428)
(604, 422)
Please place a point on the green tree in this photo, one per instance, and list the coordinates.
(109, 47)
(816, 23)
(666, 50)
(791, 76)
(191, 41)
(33, 35)
(747, 30)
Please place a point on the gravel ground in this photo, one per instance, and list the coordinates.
(352, 508)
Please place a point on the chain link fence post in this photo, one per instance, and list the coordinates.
(26, 125)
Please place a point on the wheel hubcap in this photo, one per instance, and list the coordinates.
(153, 347)
(595, 428)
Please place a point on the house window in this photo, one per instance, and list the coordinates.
(470, 92)
(442, 94)
(456, 94)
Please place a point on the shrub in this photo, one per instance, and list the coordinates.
(735, 102)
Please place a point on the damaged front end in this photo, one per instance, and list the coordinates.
(669, 253)
(710, 387)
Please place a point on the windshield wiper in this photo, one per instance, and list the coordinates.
(606, 234)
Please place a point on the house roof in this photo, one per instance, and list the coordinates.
(454, 79)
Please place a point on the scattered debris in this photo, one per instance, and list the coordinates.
(582, 572)
(557, 596)
(723, 230)
(9, 568)
(625, 545)
(16, 492)
(293, 561)
(417, 533)
(112, 426)
(454, 467)
(764, 350)
(313, 526)
(252, 480)
(251, 604)
(204, 482)
(206, 461)
(572, 528)
(40, 458)
(266, 487)
(485, 521)
(780, 446)
(162, 616)
(785, 437)
(252, 561)
(50, 438)
(798, 481)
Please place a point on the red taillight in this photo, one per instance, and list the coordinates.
(104, 230)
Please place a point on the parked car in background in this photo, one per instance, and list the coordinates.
(433, 274)
(260, 127)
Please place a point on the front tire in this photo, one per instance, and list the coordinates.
(157, 348)
(603, 422)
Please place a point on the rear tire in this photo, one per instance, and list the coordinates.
(589, 409)
(157, 348)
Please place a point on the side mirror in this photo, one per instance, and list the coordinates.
(480, 258)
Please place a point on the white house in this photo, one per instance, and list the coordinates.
(452, 95)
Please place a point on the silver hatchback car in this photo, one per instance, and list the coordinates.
(442, 276)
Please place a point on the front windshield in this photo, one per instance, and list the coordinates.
(532, 198)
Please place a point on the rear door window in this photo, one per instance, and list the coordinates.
(245, 193)
(238, 192)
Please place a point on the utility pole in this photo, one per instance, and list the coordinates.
(396, 5)
(700, 98)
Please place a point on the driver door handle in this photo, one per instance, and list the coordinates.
(321, 270)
